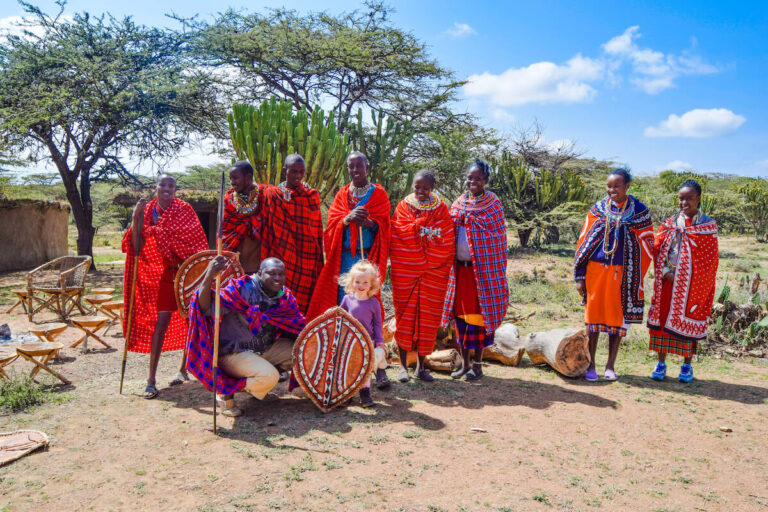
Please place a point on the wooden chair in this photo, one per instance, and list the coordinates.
(43, 351)
(58, 286)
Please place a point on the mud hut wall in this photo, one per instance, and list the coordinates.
(32, 234)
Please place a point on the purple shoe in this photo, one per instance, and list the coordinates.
(591, 375)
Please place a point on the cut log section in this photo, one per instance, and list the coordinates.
(565, 350)
(440, 360)
(507, 346)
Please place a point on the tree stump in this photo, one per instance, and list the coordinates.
(565, 350)
(439, 361)
(507, 346)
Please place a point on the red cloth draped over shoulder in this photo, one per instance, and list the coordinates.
(176, 236)
(693, 288)
(292, 230)
(421, 252)
(237, 226)
(378, 207)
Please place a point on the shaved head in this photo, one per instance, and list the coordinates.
(165, 176)
(270, 263)
(292, 159)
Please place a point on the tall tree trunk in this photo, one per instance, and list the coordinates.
(551, 234)
(82, 209)
(524, 235)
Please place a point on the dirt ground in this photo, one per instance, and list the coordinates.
(545, 442)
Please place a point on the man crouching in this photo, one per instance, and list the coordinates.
(260, 320)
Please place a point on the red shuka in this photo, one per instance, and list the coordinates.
(292, 230)
(422, 252)
(177, 236)
(237, 226)
(326, 291)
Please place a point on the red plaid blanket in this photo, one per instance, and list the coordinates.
(292, 230)
(285, 316)
(236, 226)
(487, 237)
(326, 290)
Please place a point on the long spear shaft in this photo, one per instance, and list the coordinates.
(129, 320)
(217, 308)
(362, 251)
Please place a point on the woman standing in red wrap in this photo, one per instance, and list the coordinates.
(165, 232)
(359, 208)
(684, 282)
(422, 251)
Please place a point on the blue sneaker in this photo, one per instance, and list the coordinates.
(686, 373)
(660, 372)
(591, 375)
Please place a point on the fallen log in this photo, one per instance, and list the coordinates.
(565, 350)
(507, 346)
(439, 361)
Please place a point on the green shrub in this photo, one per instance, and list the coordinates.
(19, 393)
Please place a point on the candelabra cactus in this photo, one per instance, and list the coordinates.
(266, 134)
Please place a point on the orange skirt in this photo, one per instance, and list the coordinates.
(604, 295)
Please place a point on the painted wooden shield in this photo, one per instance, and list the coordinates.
(332, 358)
(191, 273)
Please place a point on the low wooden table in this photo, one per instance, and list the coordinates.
(7, 356)
(89, 324)
(44, 352)
(95, 302)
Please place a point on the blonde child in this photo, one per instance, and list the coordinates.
(361, 285)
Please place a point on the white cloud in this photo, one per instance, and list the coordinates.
(17, 25)
(460, 30)
(502, 115)
(699, 123)
(541, 82)
(654, 71)
(678, 165)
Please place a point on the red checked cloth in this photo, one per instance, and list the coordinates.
(326, 291)
(177, 236)
(487, 238)
(292, 231)
(237, 226)
(422, 252)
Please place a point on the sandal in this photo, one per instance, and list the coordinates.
(180, 378)
(459, 372)
(151, 392)
(476, 373)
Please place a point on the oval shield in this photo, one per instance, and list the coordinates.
(332, 357)
(192, 271)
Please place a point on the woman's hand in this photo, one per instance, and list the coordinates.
(581, 287)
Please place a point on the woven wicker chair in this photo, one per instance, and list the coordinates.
(58, 286)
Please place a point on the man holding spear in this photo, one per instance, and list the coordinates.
(165, 232)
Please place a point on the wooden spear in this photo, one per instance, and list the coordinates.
(129, 320)
(217, 308)
(362, 251)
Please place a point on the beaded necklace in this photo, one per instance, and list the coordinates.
(430, 204)
(287, 192)
(246, 204)
(616, 222)
(359, 192)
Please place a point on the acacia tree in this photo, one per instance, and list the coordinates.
(347, 61)
(89, 92)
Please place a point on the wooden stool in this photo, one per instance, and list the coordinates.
(115, 308)
(95, 302)
(45, 351)
(107, 290)
(24, 301)
(7, 356)
(48, 332)
(89, 324)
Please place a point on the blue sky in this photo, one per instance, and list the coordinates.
(651, 84)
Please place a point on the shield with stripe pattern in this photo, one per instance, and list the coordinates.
(192, 271)
(332, 358)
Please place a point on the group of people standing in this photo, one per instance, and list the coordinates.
(447, 268)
